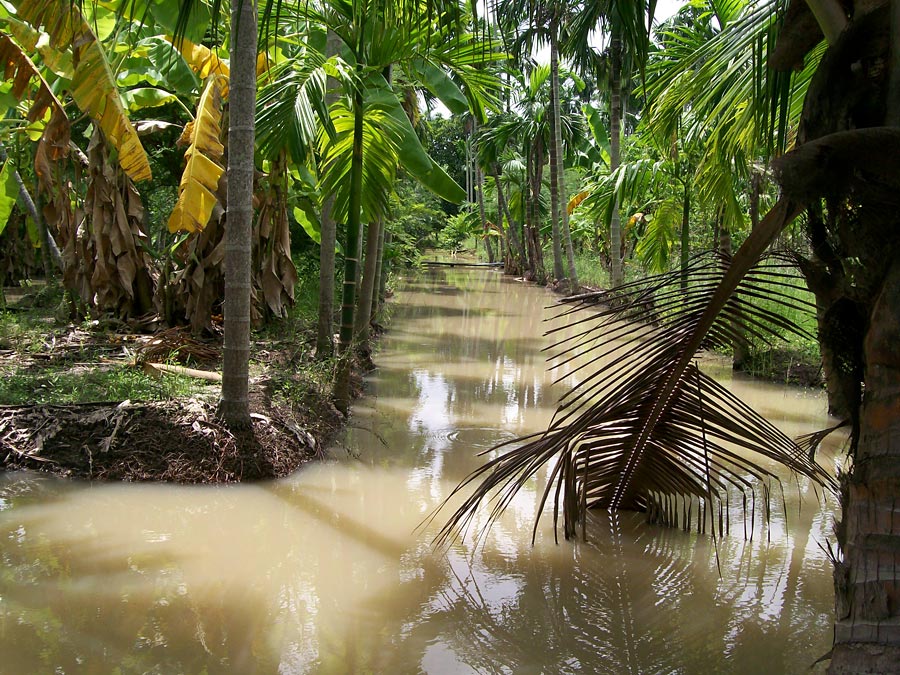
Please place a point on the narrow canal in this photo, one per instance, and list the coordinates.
(329, 571)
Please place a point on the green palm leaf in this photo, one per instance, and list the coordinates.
(289, 107)
(380, 155)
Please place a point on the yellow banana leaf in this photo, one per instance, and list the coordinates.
(575, 201)
(202, 60)
(93, 85)
(23, 73)
(205, 62)
(203, 168)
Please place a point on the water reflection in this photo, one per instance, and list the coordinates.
(326, 572)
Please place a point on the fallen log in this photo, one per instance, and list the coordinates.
(157, 368)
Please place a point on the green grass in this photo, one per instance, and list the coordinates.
(29, 329)
(27, 386)
(591, 270)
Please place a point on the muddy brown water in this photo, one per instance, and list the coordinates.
(326, 571)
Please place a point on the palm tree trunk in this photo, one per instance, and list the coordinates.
(325, 330)
(518, 252)
(385, 266)
(562, 197)
(479, 182)
(615, 137)
(868, 578)
(567, 236)
(234, 407)
(351, 259)
(555, 146)
(369, 286)
(685, 233)
(378, 296)
(536, 167)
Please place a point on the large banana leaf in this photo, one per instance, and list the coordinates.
(155, 62)
(93, 86)
(647, 429)
(196, 192)
(20, 69)
(9, 190)
(202, 60)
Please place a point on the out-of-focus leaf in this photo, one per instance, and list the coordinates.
(166, 14)
(9, 190)
(147, 97)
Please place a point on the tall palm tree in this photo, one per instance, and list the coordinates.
(373, 130)
(627, 25)
(537, 23)
(325, 331)
(234, 405)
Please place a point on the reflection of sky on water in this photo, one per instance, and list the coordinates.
(326, 571)
(431, 416)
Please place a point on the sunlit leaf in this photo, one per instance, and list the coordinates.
(146, 97)
(202, 60)
(93, 84)
(9, 190)
(203, 168)
(310, 226)
(156, 62)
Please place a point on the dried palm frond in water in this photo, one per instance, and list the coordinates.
(646, 429)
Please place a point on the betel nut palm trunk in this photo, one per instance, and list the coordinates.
(234, 407)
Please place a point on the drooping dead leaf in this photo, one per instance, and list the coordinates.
(93, 87)
(203, 168)
(275, 274)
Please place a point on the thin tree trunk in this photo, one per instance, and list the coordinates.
(368, 287)
(615, 136)
(378, 296)
(740, 348)
(518, 252)
(325, 330)
(555, 144)
(385, 266)
(351, 259)
(685, 233)
(534, 227)
(486, 231)
(49, 244)
(234, 407)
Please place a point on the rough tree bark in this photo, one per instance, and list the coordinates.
(234, 406)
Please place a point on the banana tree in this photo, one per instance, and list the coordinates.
(105, 261)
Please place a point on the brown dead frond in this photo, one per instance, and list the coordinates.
(647, 427)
